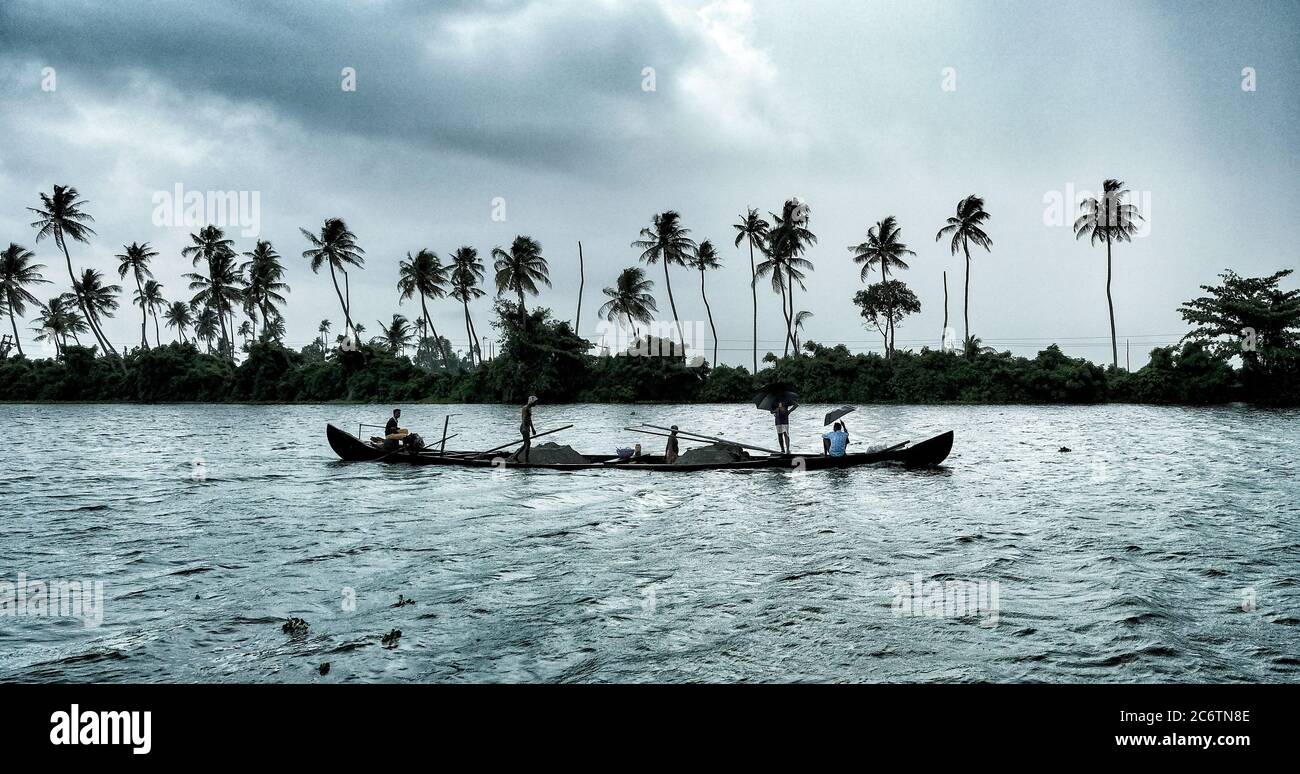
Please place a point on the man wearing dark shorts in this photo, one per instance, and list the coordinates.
(526, 429)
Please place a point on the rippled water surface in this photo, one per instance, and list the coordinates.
(1165, 546)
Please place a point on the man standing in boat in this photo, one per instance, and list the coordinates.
(670, 450)
(782, 416)
(526, 429)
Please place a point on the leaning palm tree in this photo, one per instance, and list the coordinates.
(150, 299)
(967, 228)
(136, 262)
(100, 299)
(16, 273)
(788, 239)
(665, 241)
(424, 275)
(395, 336)
(884, 250)
(1108, 220)
(178, 315)
(520, 270)
(337, 247)
(706, 258)
(265, 286)
(754, 229)
(61, 217)
(798, 325)
(631, 299)
(467, 273)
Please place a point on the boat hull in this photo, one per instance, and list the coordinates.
(924, 454)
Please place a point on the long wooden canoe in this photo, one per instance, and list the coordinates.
(927, 453)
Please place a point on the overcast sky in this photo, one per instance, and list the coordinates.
(544, 105)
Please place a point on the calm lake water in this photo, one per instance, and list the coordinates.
(1164, 547)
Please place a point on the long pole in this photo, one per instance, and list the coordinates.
(521, 440)
(442, 445)
(582, 279)
(697, 436)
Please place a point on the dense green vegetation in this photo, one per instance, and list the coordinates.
(541, 355)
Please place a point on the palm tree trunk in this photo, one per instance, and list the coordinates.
(347, 314)
(753, 289)
(944, 338)
(582, 280)
(17, 341)
(478, 346)
(144, 313)
(1110, 304)
(81, 298)
(789, 318)
(889, 321)
(157, 331)
(786, 350)
(523, 318)
(469, 330)
(966, 300)
(437, 340)
(709, 312)
(673, 304)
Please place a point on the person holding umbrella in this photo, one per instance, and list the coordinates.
(782, 415)
(836, 441)
(779, 399)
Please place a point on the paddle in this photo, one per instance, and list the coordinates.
(521, 440)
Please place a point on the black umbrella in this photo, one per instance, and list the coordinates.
(831, 416)
(774, 393)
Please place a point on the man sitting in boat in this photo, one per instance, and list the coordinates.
(394, 435)
(836, 441)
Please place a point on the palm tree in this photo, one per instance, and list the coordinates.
(324, 330)
(520, 270)
(397, 336)
(265, 282)
(58, 320)
(631, 299)
(219, 291)
(61, 216)
(336, 246)
(423, 274)
(665, 241)
(16, 273)
(466, 273)
(706, 258)
(205, 327)
(754, 229)
(150, 299)
(965, 228)
(136, 261)
(245, 330)
(178, 316)
(788, 239)
(798, 325)
(884, 250)
(1109, 220)
(100, 299)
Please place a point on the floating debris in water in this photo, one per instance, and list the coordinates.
(324, 668)
(390, 640)
(1064, 449)
(403, 601)
(295, 626)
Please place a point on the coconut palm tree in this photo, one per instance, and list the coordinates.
(100, 299)
(136, 261)
(150, 299)
(58, 320)
(520, 270)
(1109, 220)
(787, 241)
(396, 336)
(883, 249)
(265, 286)
(337, 247)
(753, 229)
(60, 216)
(706, 258)
(324, 330)
(967, 228)
(467, 273)
(424, 275)
(665, 241)
(219, 291)
(631, 299)
(246, 331)
(206, 327)
(798, 325)
(16, 273)
(178, 316)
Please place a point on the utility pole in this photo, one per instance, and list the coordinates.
(1127, 363)
(582, 279)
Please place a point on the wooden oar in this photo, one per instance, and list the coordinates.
(697, 436)
(521, 440)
